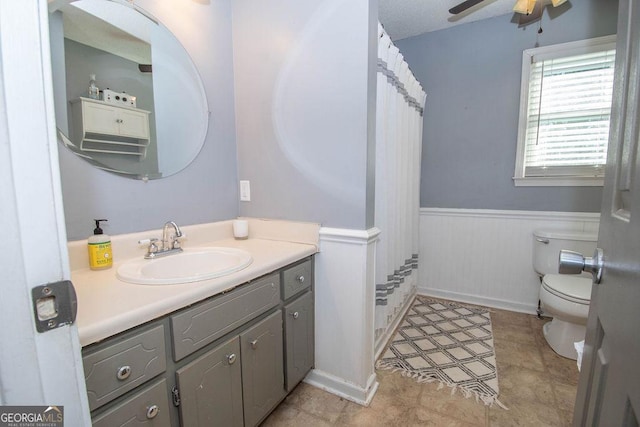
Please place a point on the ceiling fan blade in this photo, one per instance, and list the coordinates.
(464, 6)
(534, 16)
(524, 7)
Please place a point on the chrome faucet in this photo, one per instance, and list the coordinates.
(170, 242)
(168, 245)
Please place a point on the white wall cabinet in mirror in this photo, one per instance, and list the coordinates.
(129, 51)
(105, 128)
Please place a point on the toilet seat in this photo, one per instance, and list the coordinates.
(571, 288)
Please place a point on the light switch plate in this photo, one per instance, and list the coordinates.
(245, 191)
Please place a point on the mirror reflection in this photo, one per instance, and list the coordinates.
(128, 98)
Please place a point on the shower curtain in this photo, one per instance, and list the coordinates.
(400, 102)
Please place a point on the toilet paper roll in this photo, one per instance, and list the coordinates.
(241, 229)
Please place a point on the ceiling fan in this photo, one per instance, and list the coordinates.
(532, 9)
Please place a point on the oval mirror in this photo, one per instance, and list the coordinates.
(148, 117)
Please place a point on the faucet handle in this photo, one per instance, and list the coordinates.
(153, 248)
(175, 241)
(147, 241)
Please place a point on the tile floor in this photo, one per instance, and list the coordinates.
(537, 385)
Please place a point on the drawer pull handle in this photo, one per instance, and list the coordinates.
(231, 358)
(254, 344)
(300, 278)
(295, 314)
(124, 372)
(152, 411)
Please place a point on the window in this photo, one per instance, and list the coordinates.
(565, 106)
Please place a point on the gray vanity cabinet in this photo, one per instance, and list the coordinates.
(225, 361)
(211, 388)
(299, 326)
(241, 379)
(262, 368)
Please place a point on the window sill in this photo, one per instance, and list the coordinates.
(557, 181)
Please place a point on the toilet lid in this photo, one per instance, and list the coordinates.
(569, 287)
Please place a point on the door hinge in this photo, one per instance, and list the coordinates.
(175, 396)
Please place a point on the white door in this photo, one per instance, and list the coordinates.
(609, 387)
(35, 368)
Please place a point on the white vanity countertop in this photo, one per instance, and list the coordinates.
(108, 306)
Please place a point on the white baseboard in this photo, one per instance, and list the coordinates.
(346, 390)
(479, 300)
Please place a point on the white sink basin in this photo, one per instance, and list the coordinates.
(191, 265)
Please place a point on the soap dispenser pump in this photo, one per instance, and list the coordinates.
(100, 255)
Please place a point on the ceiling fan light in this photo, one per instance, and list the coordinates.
(557, 2)
(531, 5)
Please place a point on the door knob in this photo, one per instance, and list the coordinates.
(575, 263)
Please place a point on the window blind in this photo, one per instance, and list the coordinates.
(568, 114)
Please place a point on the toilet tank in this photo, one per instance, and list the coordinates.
(548, 243)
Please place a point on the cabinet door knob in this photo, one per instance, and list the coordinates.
(254, 344)
(124, 372)
(152, 411)
(300, 278)
(231, 358)
(295, 314)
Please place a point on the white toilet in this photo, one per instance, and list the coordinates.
(565, 297)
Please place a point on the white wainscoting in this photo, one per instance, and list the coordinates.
(344, 314)
(484, 256)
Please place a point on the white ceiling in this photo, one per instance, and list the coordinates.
(86, 28)
(407, 18)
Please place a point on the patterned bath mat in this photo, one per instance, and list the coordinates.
(446, 342)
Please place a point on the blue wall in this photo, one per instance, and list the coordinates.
(305, 79)
(471, 74)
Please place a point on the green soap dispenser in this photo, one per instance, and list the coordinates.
(100, 255)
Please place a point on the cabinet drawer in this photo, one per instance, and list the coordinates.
(208, 321)
(118, 368)
(296, 279)
(149, 408)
